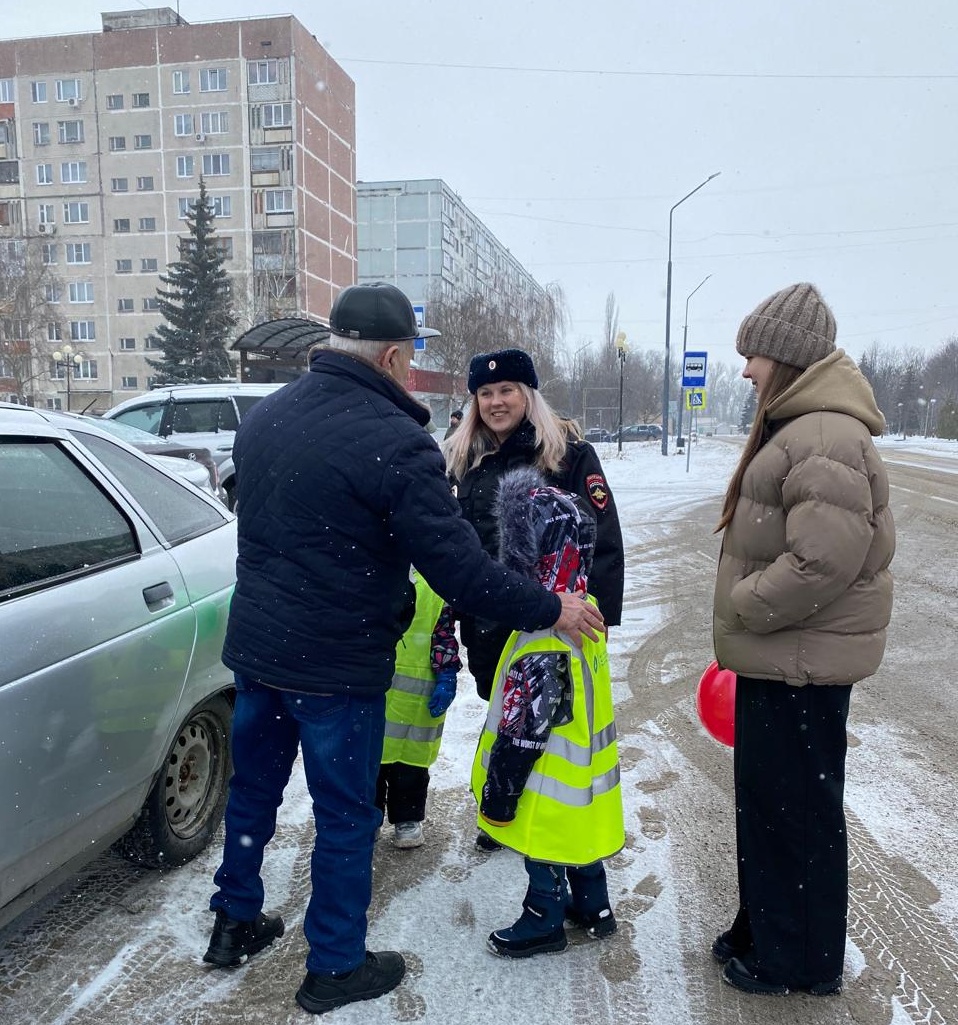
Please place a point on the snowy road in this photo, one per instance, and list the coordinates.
(124, 946)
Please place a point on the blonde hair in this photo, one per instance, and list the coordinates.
(473, 440)
(780, 378)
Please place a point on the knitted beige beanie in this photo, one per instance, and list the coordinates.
(793, 326)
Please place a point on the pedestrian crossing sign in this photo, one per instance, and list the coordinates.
(695, 399)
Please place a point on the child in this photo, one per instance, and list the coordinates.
(546, 773)
(427, 661)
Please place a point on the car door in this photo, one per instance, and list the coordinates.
(97, 633)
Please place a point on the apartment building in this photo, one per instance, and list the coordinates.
(103, 140)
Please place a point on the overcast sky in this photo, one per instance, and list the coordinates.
(571, 129)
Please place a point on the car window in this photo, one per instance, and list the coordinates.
(178, 513)
(146, 418)
(204, 415)
(244, 403)
(55, 520)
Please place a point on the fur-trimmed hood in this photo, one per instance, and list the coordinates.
(545, 533)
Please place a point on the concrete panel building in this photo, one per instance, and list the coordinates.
(103, 140)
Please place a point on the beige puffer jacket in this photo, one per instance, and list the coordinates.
(803, 592)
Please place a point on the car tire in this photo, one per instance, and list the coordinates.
(185, 806)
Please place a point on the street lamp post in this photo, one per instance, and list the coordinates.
(929, 417)
(901, 419)
(70, 361)
(668, 318)
(685, 340)
(623, 350)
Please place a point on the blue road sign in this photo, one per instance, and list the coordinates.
(693, 369)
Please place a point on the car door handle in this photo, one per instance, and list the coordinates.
(158, 594)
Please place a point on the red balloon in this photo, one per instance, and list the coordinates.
(715, 702)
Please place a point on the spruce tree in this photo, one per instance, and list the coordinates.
(749, 408)
(196, 306)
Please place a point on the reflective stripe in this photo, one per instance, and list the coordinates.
(419, 734)
(564, 793)
(412, 685)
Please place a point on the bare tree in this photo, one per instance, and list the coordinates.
(29, 327)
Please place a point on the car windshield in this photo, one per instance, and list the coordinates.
(131, 435)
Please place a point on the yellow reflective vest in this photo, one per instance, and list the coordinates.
(412, 734)
(570, 812)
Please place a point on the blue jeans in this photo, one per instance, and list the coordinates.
(342, 741)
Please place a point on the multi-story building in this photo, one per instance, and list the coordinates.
(103, 140)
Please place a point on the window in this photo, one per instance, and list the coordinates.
(181, 82)
(117, 143)
(184, 207)
(81, 291)
(151, 304)
(9, 172)
(148, 265)
(263, 72)
(82, 331)
(114, 101)
(212, 80)
(144, 183)
(222, 206)
(265, 159)
(141, 99)
(143, 142)
(38, 92)
(216, 164)
(76, 213)
(9, 212)
(51, 292)
(56, 404)
(79, 252)
(120, 184)
(128, 383)
(277, 115)
(48, 254)
(124, 306)
(124, 266)
(152, 342)
(7, 94)
(279, 201)
(147, 224)
(224, 246)
(183, 124)
(86, 370)
(53, 331)
(184, 167)
(121, 224)
(127, 344)
(44, 174)
(68, 89)
(214, 122)
(46, 545)
(73, 172)
(41, 133)
(70, 131)
(45, 214)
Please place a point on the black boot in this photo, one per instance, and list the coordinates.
(232, 941)
(379, 974)
(597, 926)
(734, 942)
(529, 935)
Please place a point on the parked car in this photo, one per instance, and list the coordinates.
(595, 434)
(204, 415)
(641, 432)
(115, 706)
(192, 462)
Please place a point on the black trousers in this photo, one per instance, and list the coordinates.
(401, 792)
(789, 761)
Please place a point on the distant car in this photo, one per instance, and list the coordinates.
(115, 707)
(641, 432)
(194, 463)
(204, 415)
(595, 434)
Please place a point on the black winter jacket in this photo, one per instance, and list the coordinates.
(339, 490)
(581, 473)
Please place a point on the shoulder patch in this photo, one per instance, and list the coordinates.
(598, 490)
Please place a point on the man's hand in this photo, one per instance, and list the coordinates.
(578, 617)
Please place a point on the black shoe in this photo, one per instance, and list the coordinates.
(379, 974)
(503, 944)
(486, 844)
(596, 926)
(726, 945)
(744, 974)
(232, 941)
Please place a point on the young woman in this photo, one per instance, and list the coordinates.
(802, 599)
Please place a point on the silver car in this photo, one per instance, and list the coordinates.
(115, 707)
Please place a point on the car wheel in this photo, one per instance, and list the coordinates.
(186, 804)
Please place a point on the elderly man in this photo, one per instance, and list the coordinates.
(340, 490)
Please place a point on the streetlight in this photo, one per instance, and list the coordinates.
(901, 419)
(668, 318)
(70, 361)
(929, 415)
(623, 350)
(685, 339)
